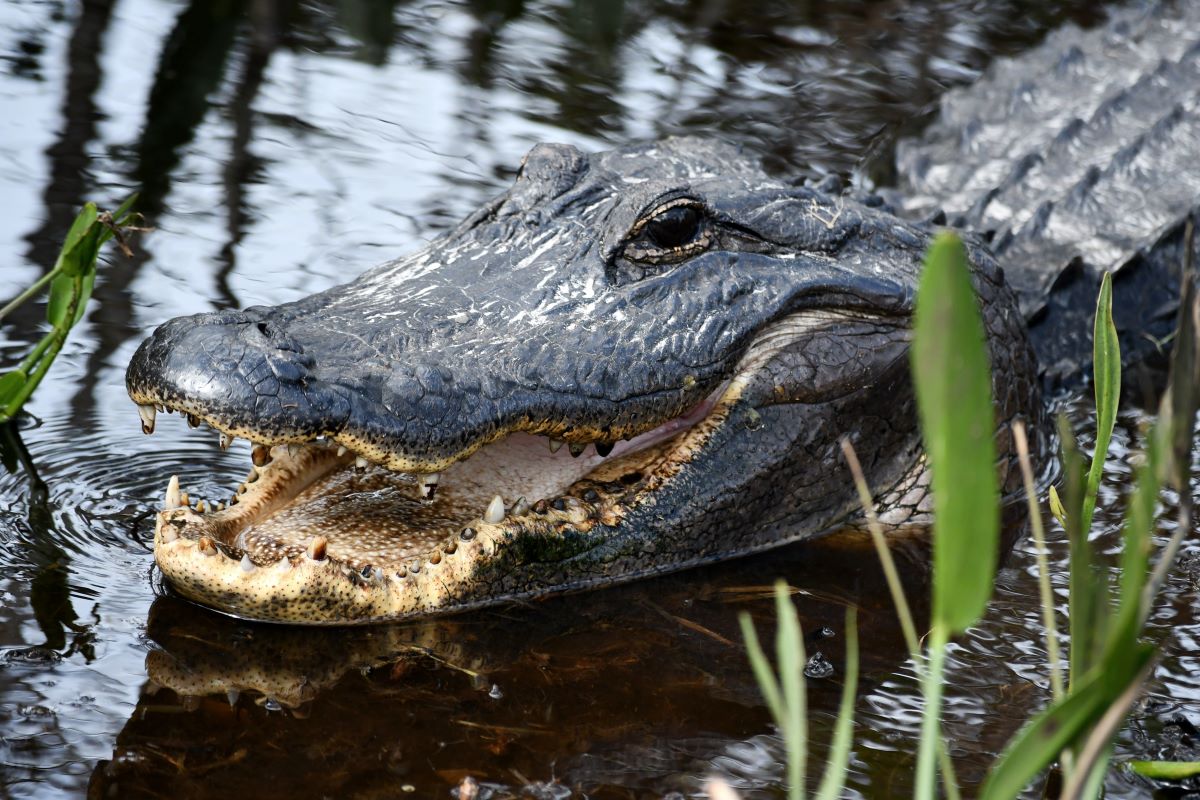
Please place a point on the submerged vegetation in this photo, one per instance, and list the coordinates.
(1109, 658)
(70, 281)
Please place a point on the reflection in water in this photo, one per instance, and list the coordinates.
(280, 147)
(497, 694)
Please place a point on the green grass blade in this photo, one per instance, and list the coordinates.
(762, 670)
(790, 658)
(834, 779)
(1057, 508)
(952, 377)
(1166, 770)
(1088, 593)
(931, 720)
(1040, 742)
(1106, 376)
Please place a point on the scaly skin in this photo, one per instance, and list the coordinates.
(551, 312)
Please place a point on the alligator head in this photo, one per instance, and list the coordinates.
(628, 363)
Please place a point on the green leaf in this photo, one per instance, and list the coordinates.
(62, 291)
(790, 658)
(1106, 376)
(72, 261)
(953, 385)
(1135, 556)
(1088, 584)
(1166, 770)
(10, 386)
(1056, 507)
(1040, 742)
(762, 669)
(87, 283)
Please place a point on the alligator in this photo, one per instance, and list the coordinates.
(640, 360)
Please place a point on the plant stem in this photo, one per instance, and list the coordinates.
(50, 347)
(931, 721)
(899, 600)
(1043, 565)
(28, 293)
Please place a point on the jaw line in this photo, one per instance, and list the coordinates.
(206, 557)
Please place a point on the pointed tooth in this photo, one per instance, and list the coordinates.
(232, 696)
(427, 484)
(555, 445)
(173, 499)
(341, 451)
(184, 500)
(576, 449)
(260, 455)
(520, 508)
(604, 448)
(201, 507)
(225, 440)
(220, 506)
(317, 547)
(146, 412)
(206, 546)
(361, 463)
(495, 511)
(169, 534)
(246, 564)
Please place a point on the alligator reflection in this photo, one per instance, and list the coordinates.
(634, 687)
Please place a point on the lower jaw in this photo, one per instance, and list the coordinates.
(282, 552)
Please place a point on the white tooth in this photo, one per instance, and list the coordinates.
(220, 506)
(232, 696)
(146, 412)
(495, 511)
(361, 463)
(427, 484)
(201, 507)
(247, 564)
(225, 440)
(173, 498)
(284, 564)
(520, 508)
(555, 445)
(184, 500)
(341, 451)
(169, 534)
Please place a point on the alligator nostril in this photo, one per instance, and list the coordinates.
(262, 328)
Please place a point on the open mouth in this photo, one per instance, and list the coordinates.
(313, 516)
(322, 532)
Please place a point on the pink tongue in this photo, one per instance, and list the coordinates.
(671, 427)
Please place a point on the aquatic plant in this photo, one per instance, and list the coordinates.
(1108, 659)
(70, 281)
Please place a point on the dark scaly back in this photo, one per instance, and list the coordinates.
(1080, 156)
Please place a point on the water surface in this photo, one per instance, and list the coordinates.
(282, 147)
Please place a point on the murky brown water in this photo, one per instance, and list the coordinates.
(281, 147)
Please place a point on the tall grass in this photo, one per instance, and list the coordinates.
(1108, 658)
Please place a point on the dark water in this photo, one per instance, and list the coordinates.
(281, 147)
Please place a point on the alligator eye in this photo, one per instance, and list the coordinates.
(673, 232)
(674, 227)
